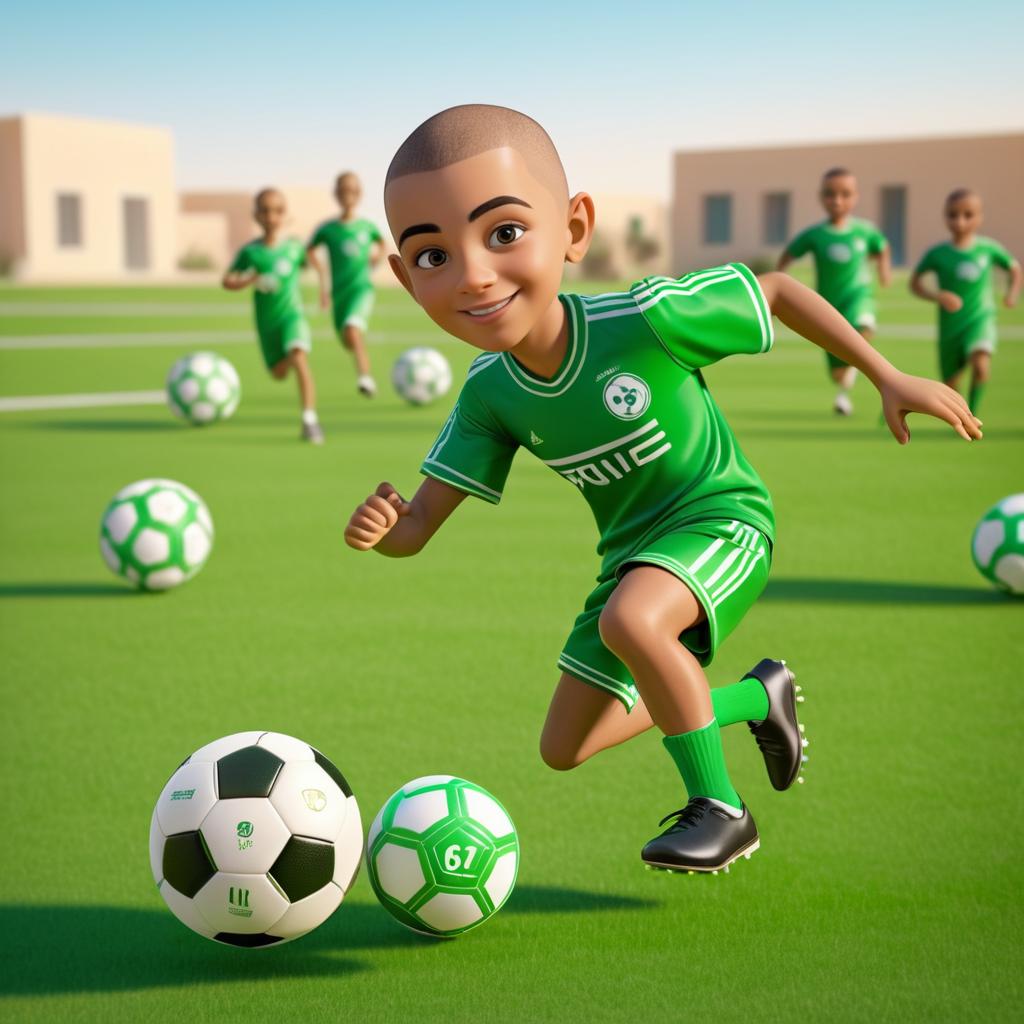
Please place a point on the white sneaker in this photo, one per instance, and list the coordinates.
(367, 385)
(842, 405)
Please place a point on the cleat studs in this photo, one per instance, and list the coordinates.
(746, 856)
(714, 872)
(727, 869)
(799, 689)
(801, 727)
(805, 743)
(691, 872)
(799, 700)
(804, 758)
(800, 779)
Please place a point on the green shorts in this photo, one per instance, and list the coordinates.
(353, 307)
(277, 341)
(956, 347)
(724, 563)
(859, 313)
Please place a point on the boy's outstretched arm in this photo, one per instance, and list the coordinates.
(807, 313)
(1016, 275)
(784, 260)
(317, 264)
(396, 527)
(885, 266)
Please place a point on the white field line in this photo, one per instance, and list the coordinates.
(27, 403)
(122, 309)
(192, 340)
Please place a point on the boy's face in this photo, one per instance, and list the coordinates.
(839, 195)
(270, 211)
(348, 191)
(482, 244)
(963, 216)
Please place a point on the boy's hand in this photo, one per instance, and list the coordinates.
(902, 394)
(950, 302)
(1010, 300)
(375, 517)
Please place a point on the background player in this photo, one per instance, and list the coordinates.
(967, 314)
(354, 247)
(271, 264)
(841, 247)
(607, 391)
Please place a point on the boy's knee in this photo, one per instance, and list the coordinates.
(555, 755)
(349, 336)
(621, 630)
(280, 370)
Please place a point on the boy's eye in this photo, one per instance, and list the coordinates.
(506, 234)
(431, 258)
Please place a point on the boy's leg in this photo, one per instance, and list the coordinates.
(981, 368)
(583, 720)
(641, 624)
(351, 315)
(311, 429)
(352, 339)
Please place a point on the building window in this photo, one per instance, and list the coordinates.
(776, 218)
(893, 203)
(69, 220)
(717, 219)
(136, 234)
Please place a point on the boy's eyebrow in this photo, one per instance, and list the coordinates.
(418, 229)
(495, 202)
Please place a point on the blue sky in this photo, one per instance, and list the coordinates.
(264, 92)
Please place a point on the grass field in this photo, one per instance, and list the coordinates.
(886, 888)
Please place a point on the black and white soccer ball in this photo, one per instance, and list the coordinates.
(255, 839)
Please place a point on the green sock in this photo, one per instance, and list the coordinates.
(974, 397)
(745, 701)
(701, 762)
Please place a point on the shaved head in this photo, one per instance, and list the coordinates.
(459, 133)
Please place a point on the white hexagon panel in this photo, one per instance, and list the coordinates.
(348, 847)
(288, 748)
(300, 917)
(187, 798)
(244, 836)
(400, 872)
(309, 802)
(186, 911)
(246, 904)
(226, 745)
(447, 911)
(417, 813)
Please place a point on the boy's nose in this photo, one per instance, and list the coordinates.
(476, 275)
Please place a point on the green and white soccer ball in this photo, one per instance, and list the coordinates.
(998, 544)
(442, 855)
(421, 375)
(202, 388)
(255, 839)
(156, 534)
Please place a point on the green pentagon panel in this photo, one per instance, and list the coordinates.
(303, 867)
(460, 855)
(187, 863)
(328, 766)
(249, 941)
(251, 771)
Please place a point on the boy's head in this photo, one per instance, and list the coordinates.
(477, 202)
(838, 192)
(963, 212)
(348, 190)
(269, 209)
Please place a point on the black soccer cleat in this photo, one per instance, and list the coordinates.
(779, 735)
(703, 837)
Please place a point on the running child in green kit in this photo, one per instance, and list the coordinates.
(967, 311)
(271, 264)
(354, 247)
(841, 247)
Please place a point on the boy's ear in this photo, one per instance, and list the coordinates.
(398, 269)
(581, 227)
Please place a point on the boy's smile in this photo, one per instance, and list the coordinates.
(482, 243)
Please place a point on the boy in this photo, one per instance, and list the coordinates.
(271, 264)
(967, 315)
(841, 247)
(607, 390)
(354, 247)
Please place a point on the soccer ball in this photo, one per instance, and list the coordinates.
(998, 544)
(203, 387)
(255, 839)
(156, 534)
(420, 375)
(442, 855)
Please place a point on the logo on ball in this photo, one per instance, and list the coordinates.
(244, 829)
(315, 800)
(626, 396)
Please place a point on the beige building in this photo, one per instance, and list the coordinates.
(86, 200)
(631, 239)
(744, 204)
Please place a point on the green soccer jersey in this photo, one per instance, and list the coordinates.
(840, 258)
(349, 244)
(276, 295)
(967, 273)
(627, 418)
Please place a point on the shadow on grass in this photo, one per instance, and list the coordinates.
(879, 592)
(54, 949)
(58, 589)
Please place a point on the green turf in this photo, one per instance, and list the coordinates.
(887, 887)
